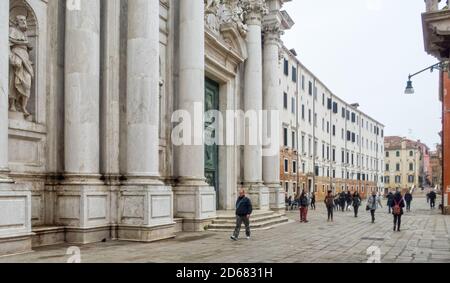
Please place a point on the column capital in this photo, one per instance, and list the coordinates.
(254, 10)
(272, 33)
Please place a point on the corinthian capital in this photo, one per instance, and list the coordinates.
(254, 10)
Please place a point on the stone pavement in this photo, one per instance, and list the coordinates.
(424, 238)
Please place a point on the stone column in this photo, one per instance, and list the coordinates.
(82, 204)
(195, 201)
(15, 199)
(146, 212)
(253, 103)
(4, 77)
(272, 104)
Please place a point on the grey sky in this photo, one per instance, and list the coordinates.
(363, 50)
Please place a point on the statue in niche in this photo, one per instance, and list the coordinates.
(21, 67)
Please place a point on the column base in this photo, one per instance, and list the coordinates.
(277, 198)
(15, 218)
(196, 205)
(145, 213)
(259, 195)
(83, 207)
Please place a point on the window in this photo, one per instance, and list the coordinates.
(293, 141)
(330, 104)
(286, 166)
(303, 144)
(285, 137)
(315, 120)
(328, 127)
(285, 100)
(310, 88)
(286, 67)
(294, 167)
(348, 115)
(294, 74)
(398, 179)
(411, 153)
(387, 168)
(334, 155)
(316, 171)
(303, 168)
(397, 153)
(353, 117)
(303, 82)
(293, 107)
(343, 156)
(309, 115)
(410, 179)
(334, 130)
(303, 112)
(349, 136)
(323, 99)
(397, 167)
(343, 112)
(323, 151)
(335, 107)
(411, 167)
(387, 153)
(286, 187)
(387, 180)
(353, 137)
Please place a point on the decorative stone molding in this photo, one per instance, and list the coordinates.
(272, 33)
(254, 10)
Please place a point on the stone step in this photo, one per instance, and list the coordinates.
(231, 216)
(254, 219)
(228, 227)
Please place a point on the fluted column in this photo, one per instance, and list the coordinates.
(253, 103)
(272, 104)
(4, 70)
(82, 88)
(195, 200)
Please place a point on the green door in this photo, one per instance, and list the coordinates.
(211, 151)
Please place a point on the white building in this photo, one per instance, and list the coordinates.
(338, 146)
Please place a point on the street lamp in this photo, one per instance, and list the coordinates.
(442, 66)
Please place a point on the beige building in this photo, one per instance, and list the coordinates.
(404, 163)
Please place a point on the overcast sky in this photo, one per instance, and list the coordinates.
(363, 50)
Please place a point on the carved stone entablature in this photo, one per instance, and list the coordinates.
(273, 32)
(254, 10)
(224, 21)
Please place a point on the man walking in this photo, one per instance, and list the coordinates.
(408, 199)
(432, 199)
(356, 203)
(244, 210)
(329, 203)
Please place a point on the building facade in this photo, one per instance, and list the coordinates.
(436, 23)
(404, 163)
(327, 143)
(102, 132)
(436, 167)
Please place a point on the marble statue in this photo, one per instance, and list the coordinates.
(21, 67)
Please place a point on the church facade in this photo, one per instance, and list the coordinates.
(100, 132)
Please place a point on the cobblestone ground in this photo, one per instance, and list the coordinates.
(424, 238)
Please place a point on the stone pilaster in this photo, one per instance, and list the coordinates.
(253, 102)
(272, 104)
(4, 77)
(195, 201)
(146, 205)
(82, 203)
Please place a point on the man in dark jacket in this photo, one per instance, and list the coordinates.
(243, 211)
(432, 199)
(408, 199)
(397, 210)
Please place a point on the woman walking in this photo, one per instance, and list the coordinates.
(356, 203)
(372, 204)
(329, 203)
(397, 210)
(313, 201)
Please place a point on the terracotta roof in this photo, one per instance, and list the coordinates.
(395, 142)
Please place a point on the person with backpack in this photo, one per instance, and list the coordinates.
(372, 205)
(329, 203)
(356, 203)
(433, 199)
(408, 200)
(342, 201)
(304, 204)
(243, 211)
(397, 210)
(348, 200)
